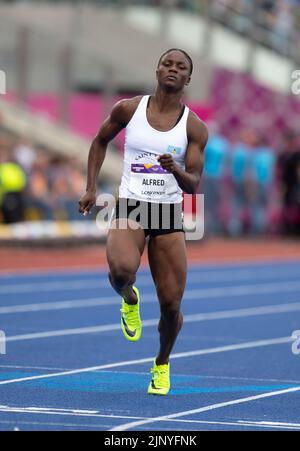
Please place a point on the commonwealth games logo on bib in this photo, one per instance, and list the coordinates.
(174, 150)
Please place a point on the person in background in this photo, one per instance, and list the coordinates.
(217, 150)
(239, 168)
(24, 154)
(287, 171)
(297, 199)
(262, 176)
(38, 201)
(74, 188)
(12, 184)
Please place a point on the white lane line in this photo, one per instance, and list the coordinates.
(26, 367)
(270, 423)
(60, 425)
(215, 377)
(59, 305)
(46, 409)
(97, 414)
(242, 274)
(62, 285)
(135, 424)
(196, 317)
(50, 411)
(179, 355)
(244, 290)
(34, 271)
(194, 276)
(205, 293)
(242, 423)
(69, 332)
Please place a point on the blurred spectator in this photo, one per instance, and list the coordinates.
(239, 165)
(276, 19)
(216, 153)
(288, 173)
(66, 184)
(36, 184)
(282, 27)
(261, 176)
(24, 154)
(39, 205)
(12, 184)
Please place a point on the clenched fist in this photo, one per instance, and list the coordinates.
(87, 201)
(166, 161)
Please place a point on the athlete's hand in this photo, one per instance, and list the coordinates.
(166, 161)
(86, 202)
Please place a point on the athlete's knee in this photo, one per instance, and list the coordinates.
(169, 297)
(121, 275)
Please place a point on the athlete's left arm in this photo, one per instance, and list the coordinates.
(189, 179)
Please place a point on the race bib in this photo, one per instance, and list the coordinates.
(151, 180)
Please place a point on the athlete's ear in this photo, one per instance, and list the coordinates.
(188, 81)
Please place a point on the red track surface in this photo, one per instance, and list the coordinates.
(210, 251)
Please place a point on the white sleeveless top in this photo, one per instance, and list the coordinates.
(143, 178)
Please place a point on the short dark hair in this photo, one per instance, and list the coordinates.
(183, 52)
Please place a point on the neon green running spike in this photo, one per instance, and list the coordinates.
(130, 319)
(160, 382)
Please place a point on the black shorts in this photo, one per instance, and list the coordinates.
(155, 218)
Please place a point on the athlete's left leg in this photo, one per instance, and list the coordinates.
(168, 264)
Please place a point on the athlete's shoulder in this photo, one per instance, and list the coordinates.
(124, 109)
(196, 128)
(127, 104)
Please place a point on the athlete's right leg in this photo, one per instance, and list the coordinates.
(124, 249)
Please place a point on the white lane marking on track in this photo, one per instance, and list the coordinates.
(243, 290)
(26, 367)
(205, 293)
(202, 376)
(196, 317)
(46, 409)
(233, 347)
(242, 423)
(59, 305)
(144, 280)
(270, 423)
(62, 285)
(50, 411)
(135, 424)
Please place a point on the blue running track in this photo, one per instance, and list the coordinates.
(235, 365)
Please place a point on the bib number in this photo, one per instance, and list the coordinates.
(147, 180)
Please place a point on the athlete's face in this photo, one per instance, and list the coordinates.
(173, 71)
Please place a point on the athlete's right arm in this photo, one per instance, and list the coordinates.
(113, 124)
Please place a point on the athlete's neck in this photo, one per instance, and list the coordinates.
(166, 101)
